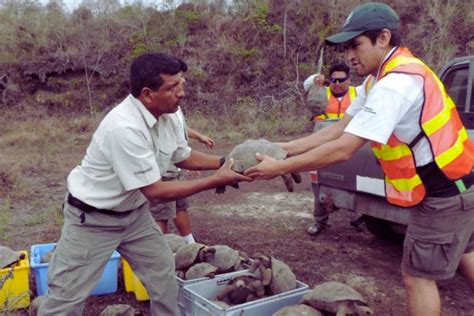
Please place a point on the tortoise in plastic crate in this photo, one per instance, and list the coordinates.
(175, 241)
(224, 258)
(188, 255)
(242, 289)
(200, 270)
(276, 275)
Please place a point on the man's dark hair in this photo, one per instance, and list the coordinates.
(395, 40)
(339, 67)
(146, 70)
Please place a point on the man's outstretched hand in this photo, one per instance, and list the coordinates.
(266, 169)
(269, 168)
(229, 177)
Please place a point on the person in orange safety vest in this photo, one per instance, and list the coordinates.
(416, 133)
(340, 93)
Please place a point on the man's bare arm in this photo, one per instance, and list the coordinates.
(200, 161)
(324, 155)
(327, 134)
(206, 140)
(172, 190)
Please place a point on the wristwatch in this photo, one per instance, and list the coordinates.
(222, 161)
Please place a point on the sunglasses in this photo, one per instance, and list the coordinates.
(338, 80)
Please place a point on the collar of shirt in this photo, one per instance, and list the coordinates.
(147, 116)
(383, 62)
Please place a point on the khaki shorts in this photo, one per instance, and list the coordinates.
(439, 232)
(167, 211)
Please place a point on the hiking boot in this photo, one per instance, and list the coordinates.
(315, 230)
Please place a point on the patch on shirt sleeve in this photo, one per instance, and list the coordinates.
(369, 110)
(143, 171)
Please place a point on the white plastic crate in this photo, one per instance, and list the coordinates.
(133, 284)
(185, 303)
(202, 293)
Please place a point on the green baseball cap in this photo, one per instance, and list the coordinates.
(366, 17)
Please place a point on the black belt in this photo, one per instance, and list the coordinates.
(89, 208)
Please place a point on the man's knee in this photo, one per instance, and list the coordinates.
(413, 282)
(467, 268)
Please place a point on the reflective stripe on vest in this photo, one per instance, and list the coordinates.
(336, 109)
(369, 83)
(402, 184)
(450, 144)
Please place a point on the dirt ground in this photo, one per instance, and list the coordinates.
(259, 217)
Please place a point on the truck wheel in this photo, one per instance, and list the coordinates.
(384, 229)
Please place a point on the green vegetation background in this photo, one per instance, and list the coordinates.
(60, 71)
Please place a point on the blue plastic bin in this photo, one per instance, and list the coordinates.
(107, 283)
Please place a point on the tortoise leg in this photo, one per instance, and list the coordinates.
(266, 276)
(266, 261)
(296, 177)
(254, 266)
(288, 182)
(344, 309)
(220, 189)
(237, 265)
(362, 309)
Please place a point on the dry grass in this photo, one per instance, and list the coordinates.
(249, 117)
(38, 145)
(53, 144)
(38, 151)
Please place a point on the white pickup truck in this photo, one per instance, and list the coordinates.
(357, 184)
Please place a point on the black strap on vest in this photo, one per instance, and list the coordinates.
(416, 139)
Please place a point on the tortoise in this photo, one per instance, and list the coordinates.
(241, 289)
(118, 310)
(244, 158)
(200, 270)
(224, 258)
(275, 274)
(339, 298)
(298, 310)
(188, 255)
(175, 241)
(317, 100)
(9, 257)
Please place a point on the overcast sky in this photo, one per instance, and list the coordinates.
(72, 4)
